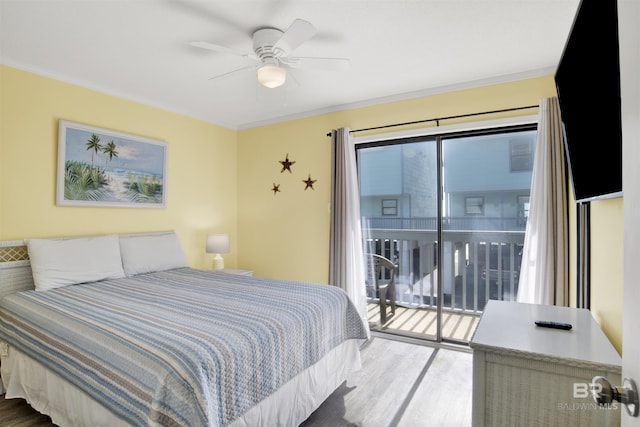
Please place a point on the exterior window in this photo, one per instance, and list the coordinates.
(523, 210)
(474, 205)
(390, 207)
(521, 154)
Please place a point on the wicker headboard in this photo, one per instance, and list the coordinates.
(15, 269)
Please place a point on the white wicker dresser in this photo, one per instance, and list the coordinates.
(525, 375)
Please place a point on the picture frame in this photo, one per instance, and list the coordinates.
(100, 167)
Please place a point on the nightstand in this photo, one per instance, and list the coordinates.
(236, 271)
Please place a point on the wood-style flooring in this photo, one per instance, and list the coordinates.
(17, 413)
(401, 384)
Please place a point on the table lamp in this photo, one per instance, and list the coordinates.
(218, 244)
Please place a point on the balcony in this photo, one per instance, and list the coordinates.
(480, 261)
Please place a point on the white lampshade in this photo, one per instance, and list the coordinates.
(272, 76)
(218, 243)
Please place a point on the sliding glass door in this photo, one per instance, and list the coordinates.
(450, 211)
(399, 204)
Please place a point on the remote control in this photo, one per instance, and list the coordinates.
(554, 325)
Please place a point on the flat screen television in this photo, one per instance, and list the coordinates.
(588, 84)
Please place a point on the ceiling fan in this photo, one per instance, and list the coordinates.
(272, 49)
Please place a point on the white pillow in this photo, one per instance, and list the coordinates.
(62, 262)
(146, 254)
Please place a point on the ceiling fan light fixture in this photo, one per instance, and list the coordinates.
(272, 76)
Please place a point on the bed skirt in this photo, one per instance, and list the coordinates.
(67, 406)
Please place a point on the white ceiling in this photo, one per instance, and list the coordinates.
(138, 49)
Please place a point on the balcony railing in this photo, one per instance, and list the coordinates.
(450, 223)
(479, 262)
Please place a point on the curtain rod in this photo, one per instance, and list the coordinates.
(438, 119)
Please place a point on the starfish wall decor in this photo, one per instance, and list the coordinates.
(286, 164)
(309, 182)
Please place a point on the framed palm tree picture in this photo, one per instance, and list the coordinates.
(102, 167)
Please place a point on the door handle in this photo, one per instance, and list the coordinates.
(604, 393)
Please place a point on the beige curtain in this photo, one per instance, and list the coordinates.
(544, 277)
(346, 260)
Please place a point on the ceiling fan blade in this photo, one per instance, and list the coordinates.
(221, 49)
(220, 76)
(292, 83)
(329, 64)
(298, 32)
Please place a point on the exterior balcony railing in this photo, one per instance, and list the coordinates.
(480, 259)
(451, 223)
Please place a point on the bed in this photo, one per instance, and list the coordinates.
(155, 342)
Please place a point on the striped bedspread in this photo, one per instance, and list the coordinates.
(180, 347)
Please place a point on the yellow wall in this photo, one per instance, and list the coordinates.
(607, 235)
(219, 180)
(201, 166)
(573, 249)
(287, 235)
